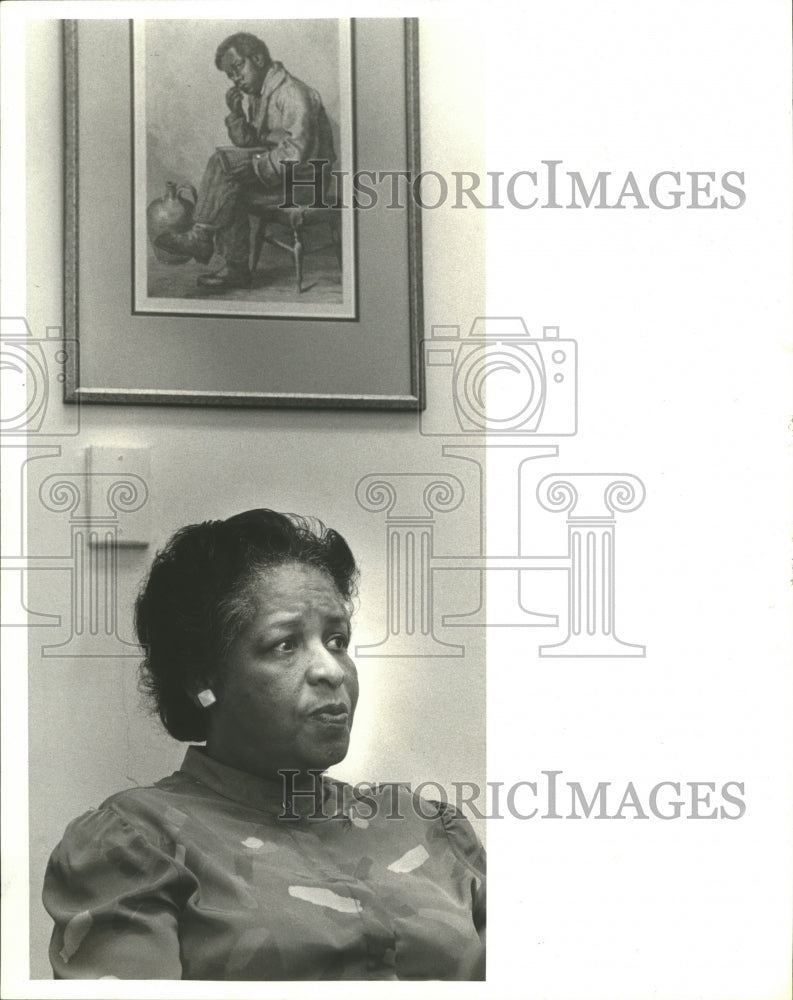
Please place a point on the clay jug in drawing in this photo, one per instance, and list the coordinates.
(173, 212)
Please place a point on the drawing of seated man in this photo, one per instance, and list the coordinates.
(285, 121)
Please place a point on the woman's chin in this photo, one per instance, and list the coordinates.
(333, 751)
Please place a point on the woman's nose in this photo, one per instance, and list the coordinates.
(325, 667)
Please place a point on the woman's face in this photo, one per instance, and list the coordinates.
(287, 691)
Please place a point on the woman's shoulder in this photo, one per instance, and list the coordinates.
(429, 819)
(462, 837)
(141, 811)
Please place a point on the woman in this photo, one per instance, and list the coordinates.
(248, 863)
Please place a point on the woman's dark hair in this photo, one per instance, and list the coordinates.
(244, 44)
(199, 593)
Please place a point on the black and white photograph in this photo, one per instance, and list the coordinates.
(397, 494)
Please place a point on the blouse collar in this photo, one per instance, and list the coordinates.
(261, 793)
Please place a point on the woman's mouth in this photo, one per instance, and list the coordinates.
(331, 715)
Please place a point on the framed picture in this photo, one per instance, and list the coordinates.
(220, 246)
(182, 129)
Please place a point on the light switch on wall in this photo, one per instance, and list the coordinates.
(119, 493)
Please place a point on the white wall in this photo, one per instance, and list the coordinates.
(88, 733)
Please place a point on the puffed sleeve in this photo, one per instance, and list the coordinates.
(115, 898)
(468, 849)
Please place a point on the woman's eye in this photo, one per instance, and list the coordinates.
(339, 642)
(285, 645)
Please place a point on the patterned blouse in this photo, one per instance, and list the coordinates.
(202, 877)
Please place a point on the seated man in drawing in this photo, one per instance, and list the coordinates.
(285, 121)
